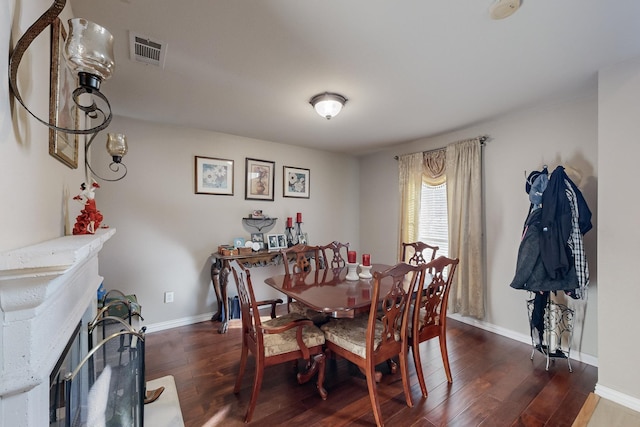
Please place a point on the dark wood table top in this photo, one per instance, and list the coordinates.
(328, 291)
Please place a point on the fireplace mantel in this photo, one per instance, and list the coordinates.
(45, 290)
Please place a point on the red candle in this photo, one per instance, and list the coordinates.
(351, 257)
(289, 222)
(366, 259)
(299, 217)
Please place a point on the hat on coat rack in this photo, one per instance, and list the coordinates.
(533, 176)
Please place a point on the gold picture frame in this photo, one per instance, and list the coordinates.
(62, 110)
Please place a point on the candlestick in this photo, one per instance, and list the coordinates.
(289, 222)
(352, 271)
(351, 257)
(366, 259)
(365, 272)
(291, 238)
(299, 217)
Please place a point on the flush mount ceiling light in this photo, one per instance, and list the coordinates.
(328, 104)
(503, 8)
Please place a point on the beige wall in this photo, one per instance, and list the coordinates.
(519, 143)
(618, 234)
(166, 233)
(32, 181)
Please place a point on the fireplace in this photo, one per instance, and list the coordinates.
(46, 290)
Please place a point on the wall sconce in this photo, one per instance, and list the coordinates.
(88, 52)
(327, 104)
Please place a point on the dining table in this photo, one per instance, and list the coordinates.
(329, 291)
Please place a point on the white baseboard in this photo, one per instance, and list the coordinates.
(617, 397)
(581, 357)
(156, 327)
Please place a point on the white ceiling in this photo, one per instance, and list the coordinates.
(410, 68)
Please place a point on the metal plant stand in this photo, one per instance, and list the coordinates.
(558, 324)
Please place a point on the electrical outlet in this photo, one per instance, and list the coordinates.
(168, 297)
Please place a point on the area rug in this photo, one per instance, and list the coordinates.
(165, 411)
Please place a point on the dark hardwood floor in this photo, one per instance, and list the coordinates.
(494, 384)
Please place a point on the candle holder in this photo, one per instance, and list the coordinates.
(291, 238)
(352, 271)
(365, 271)
(298, 234)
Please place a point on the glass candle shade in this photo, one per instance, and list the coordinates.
(117, 146)
(89, 49)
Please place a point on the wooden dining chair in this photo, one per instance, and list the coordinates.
(368, 341)
(299, 259)
(284, 339)
(430, 314)
(334, 254)
(413, 252)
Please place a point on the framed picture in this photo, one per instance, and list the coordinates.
(257, 237)
(259, 180)
(303, 239)
(273, 242)
(238, 242)
(63, 112)
(214, 176)
(296, 182)
(282, 241)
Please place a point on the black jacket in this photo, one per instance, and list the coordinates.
(531, 274)
(555, 223)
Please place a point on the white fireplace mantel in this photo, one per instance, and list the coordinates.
(45, 290)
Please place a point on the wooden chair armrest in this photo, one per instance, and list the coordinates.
(272, 303)
(299, 324)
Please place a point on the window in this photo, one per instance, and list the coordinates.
(434, 225)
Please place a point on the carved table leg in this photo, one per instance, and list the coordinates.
(215, 272)
(224, 280)
(315, 365)
(219, 278)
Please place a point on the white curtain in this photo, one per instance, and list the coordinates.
(464, 201)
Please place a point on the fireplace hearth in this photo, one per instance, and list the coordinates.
(46, 290)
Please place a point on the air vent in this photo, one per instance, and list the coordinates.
(144, 49)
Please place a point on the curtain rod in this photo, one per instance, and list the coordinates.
(483, 139)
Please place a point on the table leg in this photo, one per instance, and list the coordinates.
(215, 282)
(315, 365)
(220, 278)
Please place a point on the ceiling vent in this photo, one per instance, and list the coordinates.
(144, 49)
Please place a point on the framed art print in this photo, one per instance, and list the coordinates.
(62, 110)
(259, 179)
(214, 176)
(296, 182)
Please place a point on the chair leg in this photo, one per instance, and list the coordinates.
(404, 370)
(373, 394)
(445, 355)
(418, 364)
(243, 364)
(257, 383)
(321, 360)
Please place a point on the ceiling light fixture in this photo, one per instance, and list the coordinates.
(88, 52)
(503, 8)
(328, 104)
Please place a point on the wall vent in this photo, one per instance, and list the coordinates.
(144, 49)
